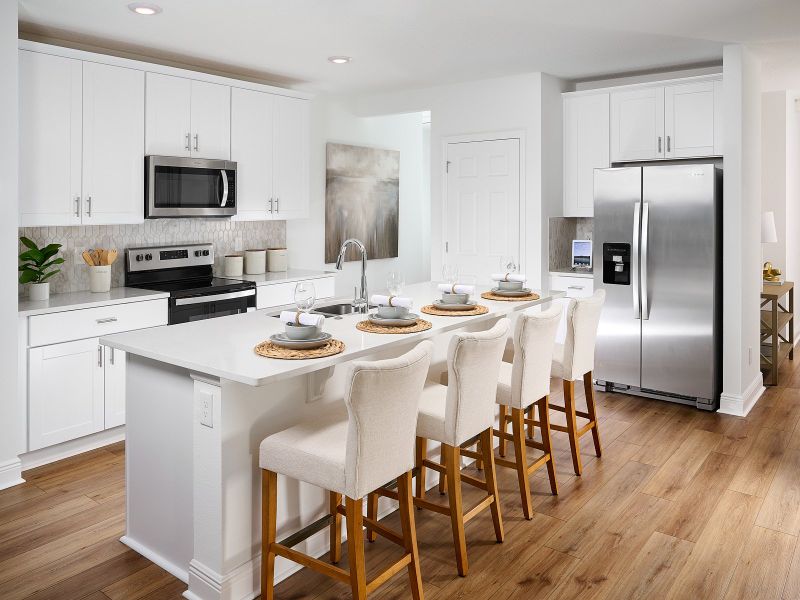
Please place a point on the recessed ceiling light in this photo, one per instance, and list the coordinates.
(339, 60)
(143, 8)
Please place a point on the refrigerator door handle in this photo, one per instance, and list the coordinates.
(645, 227)
(637, 209)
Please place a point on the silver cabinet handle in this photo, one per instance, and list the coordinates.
(637, 208)
(77, 206)
(89, 207)
(197, 141)
(669, 144)
(659, 144)
(575, 287)
(99, 356)
(277, 205)
(111, 358)
(106, 320)
(645, 227)
(270, 205)
(188, 141)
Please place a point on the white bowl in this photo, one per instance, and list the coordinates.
(448, 298)
(392, 312)
(302, 332)
(509, 285)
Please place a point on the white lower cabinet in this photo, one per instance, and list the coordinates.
(573, 287)
(114, 387)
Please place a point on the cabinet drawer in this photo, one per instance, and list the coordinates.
(280, 294)
(95, 322)
(575, 287)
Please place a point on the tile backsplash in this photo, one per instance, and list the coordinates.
(562, 231)
(226, 235)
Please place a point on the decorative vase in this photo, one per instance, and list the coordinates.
(39, 291)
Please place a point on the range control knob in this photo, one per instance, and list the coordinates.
(139, 258)
(148, 257)
(197, 253)
(205, 252)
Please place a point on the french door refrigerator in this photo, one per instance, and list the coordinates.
(657, 254)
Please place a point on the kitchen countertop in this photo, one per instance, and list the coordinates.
(280, 276)
(567, 271)
(223, 347)
(86, 299)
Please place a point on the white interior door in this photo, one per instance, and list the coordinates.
(482, 209)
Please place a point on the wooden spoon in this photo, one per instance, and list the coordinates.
(111, 256)
(96, 257)
(87, 258)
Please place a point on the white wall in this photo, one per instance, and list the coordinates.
(741, 229)
(11, 415)
(776, 123)
(333, 121)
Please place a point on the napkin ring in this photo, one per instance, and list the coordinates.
(297, 318)
(391, 298)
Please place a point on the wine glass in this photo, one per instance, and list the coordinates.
(450, 273)
(508, 264)
(305, 296)
(394, 283)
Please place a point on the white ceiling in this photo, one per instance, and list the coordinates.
(415, 43)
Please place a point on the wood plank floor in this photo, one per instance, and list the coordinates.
(683, 505)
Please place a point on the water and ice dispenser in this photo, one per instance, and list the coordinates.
(616, 264)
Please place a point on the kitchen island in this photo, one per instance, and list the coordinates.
(199, 401)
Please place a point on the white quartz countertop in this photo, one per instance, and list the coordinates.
(86, 299)
(223, 347)
(280, 276)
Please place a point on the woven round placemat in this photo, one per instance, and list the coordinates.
(493, 296)
(370, 327)
(270, 350)
(430, 309)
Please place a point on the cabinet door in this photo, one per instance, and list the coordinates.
(291, 151)
(114, 387)
(211, 120)
(49, 140)
(65, 392)
(251, 148)
(167, 115)
(586, 148)
(113, 144)
(637, 124)
(689, 119)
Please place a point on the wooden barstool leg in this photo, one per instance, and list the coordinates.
(269, 508)
(421, 454)
(442, 477)
(453, 475)
(590, 408)
(544, 428)
(491, 483)
(501, 449)
(336, 527)
(479, 460)
(572, 425)
(408, 527)
(355, 547)
(521, 460)
(529, 415)
(372, 513)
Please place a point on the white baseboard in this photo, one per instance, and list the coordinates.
(156, 558)
(43, 456)
(740, 405)
(11, 473)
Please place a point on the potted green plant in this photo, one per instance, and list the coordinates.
(36, 266)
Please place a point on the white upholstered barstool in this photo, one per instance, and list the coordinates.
(575, 360)
(522, 385)
(370, 445)
(460, 414)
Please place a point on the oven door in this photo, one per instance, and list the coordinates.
(189, 187)
(198, 308)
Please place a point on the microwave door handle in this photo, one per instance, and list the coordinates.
(224, 176)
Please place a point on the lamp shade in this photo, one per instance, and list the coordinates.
(769, 235)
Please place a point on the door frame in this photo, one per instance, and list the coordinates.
(517, 134)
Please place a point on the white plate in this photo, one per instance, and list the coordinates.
(445, 306)
(512, 293)
(405, 321)
(280, 339)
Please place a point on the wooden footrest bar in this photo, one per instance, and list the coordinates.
(307, 532)
(384, 531)
(388, 573)
(312, 563)
(474, 481)
(422, 503)
(480, 506)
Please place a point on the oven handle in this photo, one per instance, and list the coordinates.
(214, 297)
(224, 175)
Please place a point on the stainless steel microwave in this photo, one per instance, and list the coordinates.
(189, 187)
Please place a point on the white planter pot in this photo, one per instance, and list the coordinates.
(39, 291)
(100, 278)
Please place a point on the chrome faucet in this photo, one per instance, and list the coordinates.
(361, 302)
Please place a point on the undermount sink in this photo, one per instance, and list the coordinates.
(345, 308)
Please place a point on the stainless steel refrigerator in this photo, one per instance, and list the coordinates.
(657, 254)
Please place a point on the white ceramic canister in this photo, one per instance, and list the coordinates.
(234, 263)
(277, 259)
(100, 278)
(255, 262)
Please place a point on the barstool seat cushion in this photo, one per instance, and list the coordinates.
(504, 384)
(432, 410)
(313, 451)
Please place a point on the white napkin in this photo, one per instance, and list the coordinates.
(401, 301)
(290, 316)
(509, 277)
(458, 288)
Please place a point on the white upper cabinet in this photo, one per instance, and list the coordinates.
(252, 115)
(291, 158)
(637, 124)
(689, 119)
(187, 117)
(113, 144)
(586, 148)
(49, 140)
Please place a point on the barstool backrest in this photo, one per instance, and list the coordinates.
(534, 339)
(583, 316)
(473, 366)
(382, 399)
